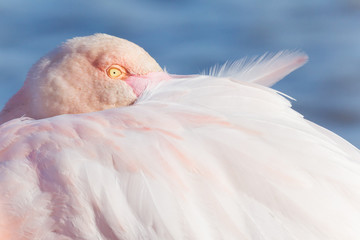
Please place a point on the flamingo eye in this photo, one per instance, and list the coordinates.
(116, 72)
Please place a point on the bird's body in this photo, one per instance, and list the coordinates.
(198, 157)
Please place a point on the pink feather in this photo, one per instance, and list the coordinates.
(194, 157)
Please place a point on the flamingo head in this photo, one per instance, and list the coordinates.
(85, 74)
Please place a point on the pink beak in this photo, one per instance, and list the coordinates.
(141, 82)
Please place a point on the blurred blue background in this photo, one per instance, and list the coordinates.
(191, 36)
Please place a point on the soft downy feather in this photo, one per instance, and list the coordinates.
(202, 157)
(265, 70)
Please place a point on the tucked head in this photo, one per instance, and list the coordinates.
(85, 74)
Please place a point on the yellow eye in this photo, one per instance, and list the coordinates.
(116, 72)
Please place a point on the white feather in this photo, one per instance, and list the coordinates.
(265, 70)
(195, 158)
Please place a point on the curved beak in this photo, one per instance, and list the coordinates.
(139, 83)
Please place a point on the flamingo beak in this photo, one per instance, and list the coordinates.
(139, 83)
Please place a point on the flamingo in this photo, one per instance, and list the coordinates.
(101, 143)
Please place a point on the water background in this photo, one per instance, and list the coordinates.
(191, 36)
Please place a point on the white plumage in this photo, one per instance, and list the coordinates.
(200, 157)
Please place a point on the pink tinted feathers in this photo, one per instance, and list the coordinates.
(73, 79)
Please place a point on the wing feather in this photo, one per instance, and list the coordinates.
(195, 158)
(265, 70)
